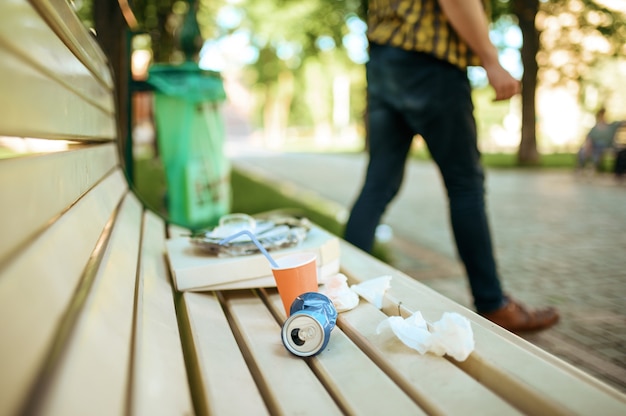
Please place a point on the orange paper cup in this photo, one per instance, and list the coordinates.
(296, 274)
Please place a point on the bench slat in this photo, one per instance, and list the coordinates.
(347, 379)
(160, 385)
(516, 375)
(70, 29)
(537, 382)
(531, 379)
(37, 286)
(47, 92)
(37, 196)
(435, 383)
(97, 359)
(221, 380)
(286, 381)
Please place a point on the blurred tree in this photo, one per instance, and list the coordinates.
(163, 19)
(577, 37)
(158, 19)
(292, 37)
(562, 41)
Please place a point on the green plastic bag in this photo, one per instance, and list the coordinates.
(190, 136)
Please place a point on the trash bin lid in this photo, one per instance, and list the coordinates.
(187, 81)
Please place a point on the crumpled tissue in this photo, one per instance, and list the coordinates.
(373, 290)
(337, 290)
(451, 335)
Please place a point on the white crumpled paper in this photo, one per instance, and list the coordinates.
(373, 290)
(451, 335)
(336, 288)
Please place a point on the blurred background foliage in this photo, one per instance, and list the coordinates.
(294, 71)
(300, 64)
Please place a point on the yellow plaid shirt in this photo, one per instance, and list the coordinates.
(417, 25)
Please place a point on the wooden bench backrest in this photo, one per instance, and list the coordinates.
(80, 259)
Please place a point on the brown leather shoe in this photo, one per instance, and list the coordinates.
(517, 318)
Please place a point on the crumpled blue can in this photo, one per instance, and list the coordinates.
(307, 330)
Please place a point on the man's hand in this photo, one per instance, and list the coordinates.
(468, 19)
(502, 82)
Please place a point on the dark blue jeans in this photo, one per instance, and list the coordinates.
(413, 93)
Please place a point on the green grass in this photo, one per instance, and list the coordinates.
(509, 160)
(548, 161)
(150, 183)
(566, 161)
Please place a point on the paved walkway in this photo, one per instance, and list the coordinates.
(560, 240)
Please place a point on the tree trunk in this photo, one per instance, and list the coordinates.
(526, 10)
(113, 37)
(278, 100)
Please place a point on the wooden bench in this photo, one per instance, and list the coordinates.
(90, 323)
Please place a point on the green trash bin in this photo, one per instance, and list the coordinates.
(190, 137)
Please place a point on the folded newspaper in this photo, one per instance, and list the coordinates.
(200, 263)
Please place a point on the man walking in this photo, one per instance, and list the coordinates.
(417, 84)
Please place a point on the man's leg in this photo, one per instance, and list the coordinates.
(389, 143)
(451, 138)
(452, 141)
(598, 155)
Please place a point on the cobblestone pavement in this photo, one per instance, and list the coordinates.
(560, 240)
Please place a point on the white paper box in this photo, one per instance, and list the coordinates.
(196, 270)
